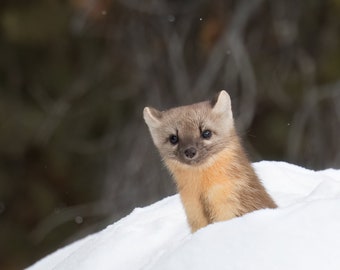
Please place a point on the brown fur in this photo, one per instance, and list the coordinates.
(219, 183)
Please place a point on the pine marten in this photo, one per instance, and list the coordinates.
(200, 147)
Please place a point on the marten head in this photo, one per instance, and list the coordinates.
(192, 134)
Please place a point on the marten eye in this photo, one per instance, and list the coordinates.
(173, 139)
(206, 134)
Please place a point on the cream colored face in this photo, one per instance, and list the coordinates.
(191, 134)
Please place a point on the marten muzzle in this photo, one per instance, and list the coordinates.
(190, 153)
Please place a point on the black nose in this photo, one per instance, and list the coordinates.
(190, 152)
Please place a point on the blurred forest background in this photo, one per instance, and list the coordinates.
(75, 154)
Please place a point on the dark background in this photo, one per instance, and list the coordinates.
(75, 154)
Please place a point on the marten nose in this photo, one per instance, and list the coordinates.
(190, 152)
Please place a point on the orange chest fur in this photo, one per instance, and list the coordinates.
(204, 179)
(206, 193)
(223, 188)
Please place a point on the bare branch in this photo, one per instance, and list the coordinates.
(243, 13)
(69, 214)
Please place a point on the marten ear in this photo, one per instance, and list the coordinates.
(222, 104)
(152, 117)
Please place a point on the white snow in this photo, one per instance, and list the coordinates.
(303, 233)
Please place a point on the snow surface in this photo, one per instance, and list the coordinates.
(303, 233)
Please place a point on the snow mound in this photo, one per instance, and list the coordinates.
(303, 233)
